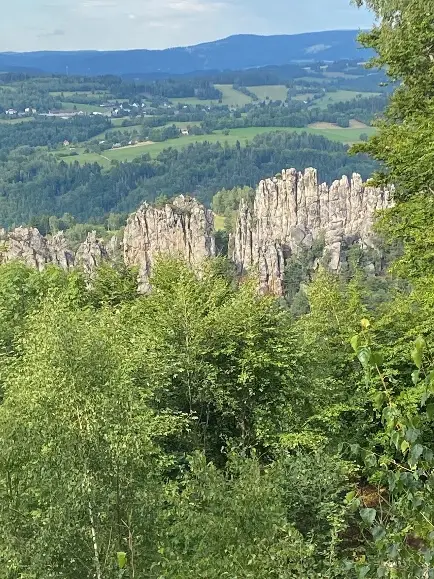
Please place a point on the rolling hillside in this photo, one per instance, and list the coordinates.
(233, 53)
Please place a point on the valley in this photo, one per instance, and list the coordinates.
(216, 291)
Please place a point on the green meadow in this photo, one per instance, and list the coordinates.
(244, 135)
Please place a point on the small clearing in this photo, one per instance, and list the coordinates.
(324, 126)
(355, 124)
(277, 92)
(141, 144)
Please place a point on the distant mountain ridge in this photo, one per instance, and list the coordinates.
(232, 53)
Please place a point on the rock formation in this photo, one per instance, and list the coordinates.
(91, 254)
(289, 213)
(183, 228)
(29, 246)
(295, 210)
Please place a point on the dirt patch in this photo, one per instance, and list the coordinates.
(323, 126)
(355, 124)
(142, 144)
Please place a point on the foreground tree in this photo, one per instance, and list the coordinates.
(79, 462)
(403, 41)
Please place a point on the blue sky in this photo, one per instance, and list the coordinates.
(117, 24)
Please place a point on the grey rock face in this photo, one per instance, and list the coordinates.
(296, 210)
(32, 248)
(289, 213)
(28, 245)
(91, 254)
(183, 228)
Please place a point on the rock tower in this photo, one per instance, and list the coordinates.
(294, 210)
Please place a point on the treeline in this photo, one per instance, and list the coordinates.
(297, 114)
(32, 186)
(201, 89)
(50, 132)
(27, 96)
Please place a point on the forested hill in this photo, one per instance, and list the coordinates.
(45, 186)
(233, 53)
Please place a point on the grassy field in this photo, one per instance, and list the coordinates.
(347, 136)
(277, 92)
(231, 97)
(354, 124)
(16, 121)
(341, 96)
(67, 106)
(118, 122)
(303, 97)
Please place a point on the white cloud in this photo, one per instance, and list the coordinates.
(194, 6)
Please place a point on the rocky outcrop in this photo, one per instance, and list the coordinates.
(91, 254)
(28, 245)
(32, 248)
(183, 228)
(291, 212)
(295, 210)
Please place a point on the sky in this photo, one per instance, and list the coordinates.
(28, 25)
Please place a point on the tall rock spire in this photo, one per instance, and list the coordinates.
(183, 228)
(295, 210)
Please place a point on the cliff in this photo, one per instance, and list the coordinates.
(28, 245)
(295, 210)
(91, 253)
(291, 212)
(183, 228)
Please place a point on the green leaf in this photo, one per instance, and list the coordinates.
(364, 357)
(418, 351)
(363, 571)
(370, 460)
(412, 434)
(430, 411)
(379, 399)
(415, 377)
(405, 445)
(415, 453)
(122, 559)
(368, 515)
(377, 359)
(420, 343)
(378, 533)
(428, 454)
(350, 496)
(396, 439)
(355, 449)
(355, 343)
